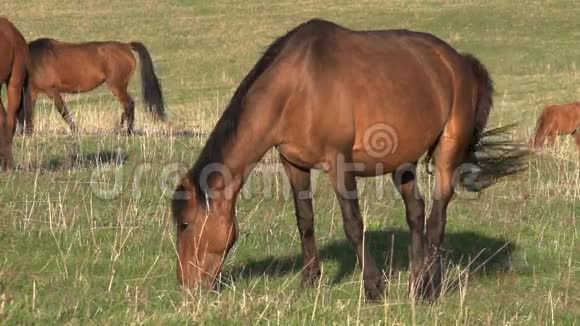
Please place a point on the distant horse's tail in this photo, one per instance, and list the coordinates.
(492, 153)
(151, 88)
(25, 109)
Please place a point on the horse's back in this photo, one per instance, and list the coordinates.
(401, 69)
(78, 67)
(332, 46)
(7, 28)
(94, 52)
(564, 117)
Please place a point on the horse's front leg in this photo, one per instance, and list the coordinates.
(301, 192)
(343, 179)
(62, 109)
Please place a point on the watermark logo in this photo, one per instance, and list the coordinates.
(380, 140)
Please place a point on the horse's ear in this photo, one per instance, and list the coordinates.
(185, 190)
(187, 183)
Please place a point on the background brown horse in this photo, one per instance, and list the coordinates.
(13, 72)
(59, 67)
(352, 104)
(557, 120)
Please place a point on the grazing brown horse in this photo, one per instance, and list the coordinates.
(59, 67)
(558, 120)
(14, 62)
(351, 103)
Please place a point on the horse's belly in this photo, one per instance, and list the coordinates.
(369, 165)
(392, 138)
(78, 84)
(380, 150)
(76, 76)
(372, 159)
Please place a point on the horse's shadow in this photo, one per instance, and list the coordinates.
(479, 255)
(170, 133)
(85, 160)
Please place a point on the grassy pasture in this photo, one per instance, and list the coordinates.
(85, 229)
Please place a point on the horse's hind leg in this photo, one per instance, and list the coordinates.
(344, 183)
(5, 145)
(128, 104)
(447, 159)
(300, 183)
(62, 109)
(406, 183)
(29, 119)
(10, 117)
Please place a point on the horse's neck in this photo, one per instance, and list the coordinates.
(255, 134)
(240, 157)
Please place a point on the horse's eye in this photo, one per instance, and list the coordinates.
(183, 226)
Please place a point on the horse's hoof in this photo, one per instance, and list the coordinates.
(374, 288)
(422, 294)
(416, 288)
(125, 132)
(310, 278)
(426, 293)
(6, 165)
(425, 285)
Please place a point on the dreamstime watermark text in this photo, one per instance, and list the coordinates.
(268, 181)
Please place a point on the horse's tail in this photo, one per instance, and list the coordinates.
(485, 92)
(151, 88)
(492, 153)
(25, 109)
